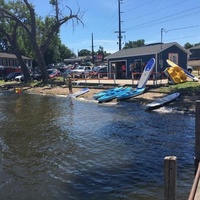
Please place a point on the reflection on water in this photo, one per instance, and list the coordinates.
(59, 148)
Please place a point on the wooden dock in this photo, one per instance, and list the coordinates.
(195, 191)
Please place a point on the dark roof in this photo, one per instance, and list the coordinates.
(145, 50)
(12, 56)
(195, 47)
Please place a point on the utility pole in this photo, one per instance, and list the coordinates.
(119, 31)
(92, 50)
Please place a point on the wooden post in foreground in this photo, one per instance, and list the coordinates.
(197, 136)
(170, 177)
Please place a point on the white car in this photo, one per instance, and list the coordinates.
(81, 71)
(190, 69)
(19, 78)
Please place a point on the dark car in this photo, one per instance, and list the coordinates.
(36, 75)
(11, 76)
(101, 72)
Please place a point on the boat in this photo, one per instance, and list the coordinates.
(130, 94)
(175, 74)
(100, 94)
(112, 95)
(162, 101)
(188, 74)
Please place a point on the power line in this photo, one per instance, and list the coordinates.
(155, 11)
(166, 18)
(177, 29)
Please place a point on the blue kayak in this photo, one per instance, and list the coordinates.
(112, 95)
(100, 94)
(130, 94)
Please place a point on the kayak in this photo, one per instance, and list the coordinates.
(100, 94)
(130, 94)
(112, 95)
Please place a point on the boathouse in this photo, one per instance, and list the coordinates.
(134, 59)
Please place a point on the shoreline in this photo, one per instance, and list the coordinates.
(184, 103)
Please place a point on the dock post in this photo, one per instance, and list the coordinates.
(170, 177)
(197, 136)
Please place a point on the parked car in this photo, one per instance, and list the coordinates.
(53, 73)
(190, 69)
(36, 76)
(101, 72)
(11, 76)
(81, 71)
(19, 78)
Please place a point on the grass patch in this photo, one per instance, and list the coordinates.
(187, 88)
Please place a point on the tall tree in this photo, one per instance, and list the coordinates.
(40, 32)
(84, 52)
(188, 45)
(134, 44)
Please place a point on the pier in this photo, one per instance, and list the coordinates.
(195, 191)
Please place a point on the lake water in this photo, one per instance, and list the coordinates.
(57, 148)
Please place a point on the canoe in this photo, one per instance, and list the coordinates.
(100, 94)
(130, 94)
(112, 95)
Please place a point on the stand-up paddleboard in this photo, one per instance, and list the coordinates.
(162, 101)
(146, 73)
(82, 91)
(141, 84)
(188, 74)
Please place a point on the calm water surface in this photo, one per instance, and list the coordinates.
(55, 148)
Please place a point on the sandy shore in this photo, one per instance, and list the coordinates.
(184, 103)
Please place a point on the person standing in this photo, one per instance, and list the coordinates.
(70, 84)
(123, 68)
(131, 68)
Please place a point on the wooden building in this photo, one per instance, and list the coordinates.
(10, 60)
(135, 59)
(194, 59)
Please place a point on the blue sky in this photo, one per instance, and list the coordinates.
(141, 19)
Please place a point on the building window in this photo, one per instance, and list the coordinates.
(173, 57)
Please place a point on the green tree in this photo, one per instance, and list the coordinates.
(84, 52)
(57, 52)
(4, 47)
(40, 32)
(188, 45)
(134, 44)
